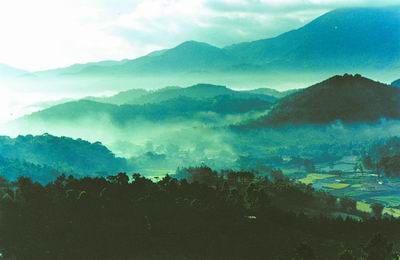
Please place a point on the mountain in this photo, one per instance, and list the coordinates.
(78, 68)
(56, 155)
(163, 104)
(396, 83)
(178, 108)
(198, 92)
(347, 98)
(190, 56)
(7, 71)
(362, 39)
(352, 38)
(272, 92)
(124, 97)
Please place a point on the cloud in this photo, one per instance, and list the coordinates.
(45, 34)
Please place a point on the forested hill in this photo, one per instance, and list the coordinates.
(348, 98)
(197, 92)
(185, 103)
(49, 156)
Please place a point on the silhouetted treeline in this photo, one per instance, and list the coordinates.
(204, 215)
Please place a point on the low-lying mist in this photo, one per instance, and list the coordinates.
(160, 147)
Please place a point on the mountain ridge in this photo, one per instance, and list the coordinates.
(198, 91)
(337, 40)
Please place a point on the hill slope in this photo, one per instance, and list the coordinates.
(346, 98)
(189, 56)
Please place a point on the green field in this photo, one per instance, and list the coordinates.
(389, 200)
(313, 177)
(336, 186)
(365, 207)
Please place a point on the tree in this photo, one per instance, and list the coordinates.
(377, 210)
(329, 200)
(120, 179)
(304, 252)
(378, 247)
(346, 255)
(348, 204)
(202, 174)
(278, 176)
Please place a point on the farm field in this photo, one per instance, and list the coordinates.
(367, 189)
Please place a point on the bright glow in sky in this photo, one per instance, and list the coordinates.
(43, 34)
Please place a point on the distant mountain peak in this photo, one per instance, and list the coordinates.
(193, 43)
(206, 86)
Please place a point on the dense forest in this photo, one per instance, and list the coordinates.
(202, 215)
(383, 157)
(45, 157)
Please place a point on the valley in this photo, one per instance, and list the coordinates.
(282, 147)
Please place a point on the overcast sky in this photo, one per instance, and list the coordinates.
(43, 34)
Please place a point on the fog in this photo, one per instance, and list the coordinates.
(160, 147)
(32, 92)
(168, 144)
(25, 94)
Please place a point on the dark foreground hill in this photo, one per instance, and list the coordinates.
(350, 99)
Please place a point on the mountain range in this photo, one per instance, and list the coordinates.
(164, 104)
(348, 98)
(361, 39)
(198, 91)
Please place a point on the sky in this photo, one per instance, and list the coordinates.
(45, 34)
